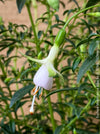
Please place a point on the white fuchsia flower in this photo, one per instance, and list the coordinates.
(43, 78)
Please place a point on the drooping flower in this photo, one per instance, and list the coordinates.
(43, 78)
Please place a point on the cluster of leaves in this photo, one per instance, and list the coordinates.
(77, 108)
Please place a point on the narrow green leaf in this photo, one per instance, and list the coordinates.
(20, 4)
(78, 111)
(2, 1)
(76, 63)
(10, 49)
(60, 90)
(92, 2)
(93, 34)
(58, 129)
(66, 68)
(87, 64)
(82, 131)
(87, 25)
(20, 93)
(19, 105)
(75, 3)
(92, 46)
(12, 126)
(10, 44)
(69, 11)
(25, 72)
(57, 17)
(40, 34)
(83, 42)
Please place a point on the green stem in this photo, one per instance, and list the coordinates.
(33, 27)
(17, 87)
(49, 22)
(21, 106)
(91, 80)
(35, 13)
(2, 68)
(18, 124)
(60, 100)
(49, 25)
(51, 113)
(83, 10)
(49, 100)
(10, 115)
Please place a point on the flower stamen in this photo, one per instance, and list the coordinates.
(34, 89)
(36, 92)
(32, 106)
(41, 93)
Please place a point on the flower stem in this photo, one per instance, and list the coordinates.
(34, 3)
(83, 10)
(60, 100)
(51, 113)
(17, 87)
(33, 27)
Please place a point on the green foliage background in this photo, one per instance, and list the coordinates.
(78, 100)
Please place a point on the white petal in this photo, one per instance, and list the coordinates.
(42, 78)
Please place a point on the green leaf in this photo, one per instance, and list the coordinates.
(40, 34)
(57, 17)
(12, 126)
(76, 63)
(92, 2)
(86, 87)
(2, 1)
(60, 90)
(58, 129)
(75, 3)
(82, 131)
(69, 11)
(87, 25)
(78, 111)
(66, 68)
(93, 34)
(10, 44)
(83, 42)
(25, 72)
(87, 64)
(20, 4)
(93, 101)
(20, 93)
(10, 49)
(92, 46)
(19, 104)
